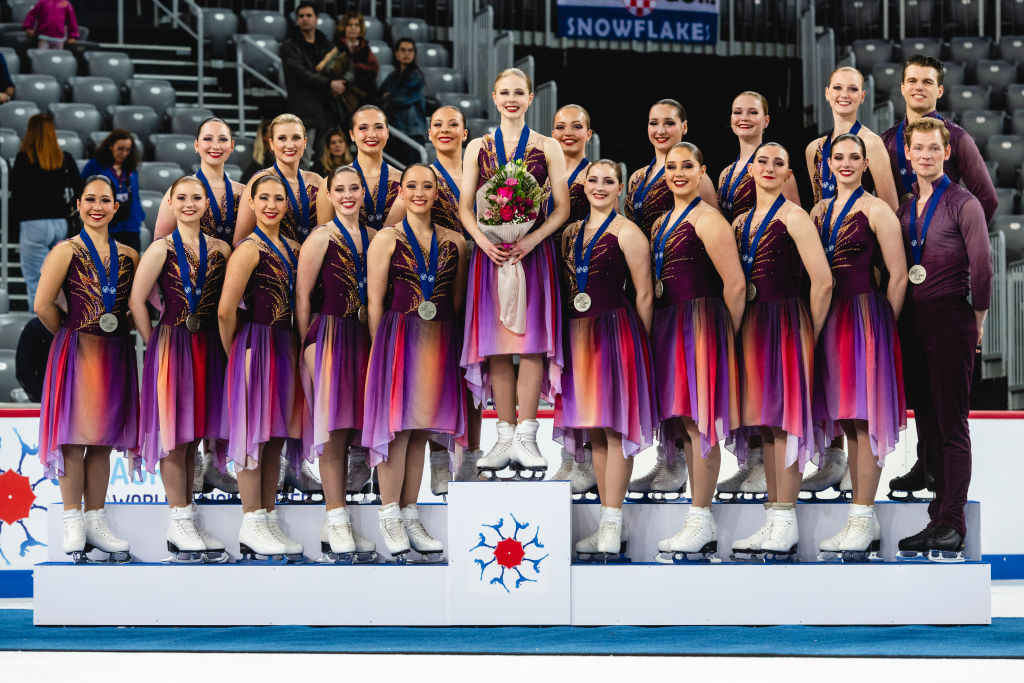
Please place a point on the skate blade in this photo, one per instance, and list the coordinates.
(946, 556)
(185, 557)
(113, 558)
(755, 497)
(688, 558)
(216, 557)
(336, 558)
(747, 556)
(860, 556)
(726, 496)
(602, 558)
(366, 557)
(490, 474)
(527, 475)
(912, 556)
(908, 497)
(772, 557)
(429, 558)
(78, 557)
(830, 556)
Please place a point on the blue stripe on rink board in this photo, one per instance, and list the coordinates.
(1003, 639)
(1005, 566)
(16, 583)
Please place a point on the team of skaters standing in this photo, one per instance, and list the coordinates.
(303, 315)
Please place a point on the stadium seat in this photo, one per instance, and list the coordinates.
(11, 57)
(470, 106)
(155, 93)
(219, 26)
(157, 176)
(178, 149)
(81, 118)
(969, 49)
(953, 73)
(8, 376)
(259, 60)
(996, 73)
(18, 40)
(140, 120)
(382, 51)
(1017, 122)
(325, 23)
(1009, 199)
(960, 98)
(432, 54)
(16, 113)
(899, 105)
(20, 9)
(416, 29)
(186, 120)
(151, 205)
(1008, 152)
(42, 89)
(478, 127)
(872, 51)
(233, 170)
(81, 164)
(962, 16)
(374, 29)
(10, 331)
(887, 76)
(1012, 48)
(114, 65)
(60, 64)
(71, 142)
(981, 123)
(385, 70)
(265, 23)
(993, 169)
(10, 143)
(243, 150)
(99, 91)
(441, 79)
(921, 46)
(1012, 227)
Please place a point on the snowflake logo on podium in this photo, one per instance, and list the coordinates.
(18, 498)
(507, 553)
(639, 8)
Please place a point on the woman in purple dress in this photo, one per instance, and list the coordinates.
(859, 367)
(330, 309)
(264, 395)
(414, 390)
(90, 396)
(608, 395)
(489, 342)
(777, 242)
(183, 374)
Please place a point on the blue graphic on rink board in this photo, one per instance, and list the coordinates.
(676, 21)
(507, 553)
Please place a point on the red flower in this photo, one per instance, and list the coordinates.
(507, 213)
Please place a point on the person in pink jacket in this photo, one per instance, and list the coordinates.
(48, 19)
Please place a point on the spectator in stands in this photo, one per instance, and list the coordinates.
(30, 358)
(6, 82)
(352, 61)
(921, 88)
(336, 154)
(262, 154)
(118, 159)
(309, 91)
(52, 21)
(401, 94)
(45, 184)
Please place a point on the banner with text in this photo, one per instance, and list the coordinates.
(679, 21)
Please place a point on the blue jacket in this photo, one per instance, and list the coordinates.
(404, 103)
(137, 215)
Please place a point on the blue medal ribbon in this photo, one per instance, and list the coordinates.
(917, 243)
(828, 181)
(426, 271)
(191, 294)
(644, 189)
(661, 239)
(582, 259)
(733, 182)
(359, 259)
(289, 263)
(572, 179)
(108, 285)
(832, 230)
(907, 175)
(301, 218)
(375, 213)
(447, 179)
(226, 225)
(750, 247)
(499, 145)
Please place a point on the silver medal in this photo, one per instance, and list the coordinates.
(427, 310)
(751, 291)
(108, 322)
(917, 274)
(581, 302)
(659, 288)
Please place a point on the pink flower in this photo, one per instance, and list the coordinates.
(488, 214)
(493, 198)
(511, 182)
(505, 192)
(501, 201)
(507, 213)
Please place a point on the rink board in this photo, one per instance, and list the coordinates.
(149, 593)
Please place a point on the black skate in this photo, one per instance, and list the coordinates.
(945, 545)
(917, 479)
(915, 548)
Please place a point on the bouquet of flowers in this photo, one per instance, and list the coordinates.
(507, 207)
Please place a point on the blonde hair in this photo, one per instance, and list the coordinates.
(282, 119)
(757, 96)
(512, 71)
(927, 124)
(847, 68)
(579, 108)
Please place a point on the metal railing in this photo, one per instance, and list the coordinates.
(993, 343)
(199, 34)
(1015, 335)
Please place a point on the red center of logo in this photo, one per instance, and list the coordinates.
(509, 553)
